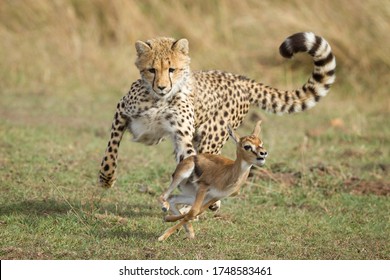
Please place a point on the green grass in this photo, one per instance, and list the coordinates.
(318, 198)
(323, 194)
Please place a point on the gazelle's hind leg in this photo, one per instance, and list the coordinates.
(195, 210)
(176, 200)
(185, 221)
(171, 230)
(183, 171)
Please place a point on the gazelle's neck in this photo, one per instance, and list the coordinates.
(240, 166)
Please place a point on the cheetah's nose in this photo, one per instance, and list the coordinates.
(264, 154)
(161, 88)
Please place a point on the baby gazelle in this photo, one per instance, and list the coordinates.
(206, 178)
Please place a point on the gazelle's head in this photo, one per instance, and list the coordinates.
(250, 148)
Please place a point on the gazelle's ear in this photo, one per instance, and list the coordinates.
(257, 129)
(181, 46)
(233, 135)
(142, 47)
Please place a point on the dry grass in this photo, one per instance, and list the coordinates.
(66, 44)
(63, 66)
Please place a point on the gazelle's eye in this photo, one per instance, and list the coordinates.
(152, 70)
(171, 70)
(247, 147)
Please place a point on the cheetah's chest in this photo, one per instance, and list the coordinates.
(152, 119)
(148, 127)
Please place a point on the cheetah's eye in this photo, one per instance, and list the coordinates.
(152, 70)
(247, 147)
(171, 70)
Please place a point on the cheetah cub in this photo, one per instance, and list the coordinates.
(193, 108)
(206, 178)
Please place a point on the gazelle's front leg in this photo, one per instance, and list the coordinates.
(171, 230)
(174, 201)
(199, 199)
(183, 171)
(195, 209)
(184, 222)
(174, 218)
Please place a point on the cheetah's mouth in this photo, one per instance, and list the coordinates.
(162, 94)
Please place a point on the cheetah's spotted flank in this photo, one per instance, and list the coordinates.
(194, 108)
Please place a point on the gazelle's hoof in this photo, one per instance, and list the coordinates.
(165, 206)
(162, 238)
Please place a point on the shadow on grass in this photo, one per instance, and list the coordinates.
(42, 207)
(125, 233)
(106, 221)
(47, 207)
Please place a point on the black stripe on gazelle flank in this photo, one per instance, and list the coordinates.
(198, 171)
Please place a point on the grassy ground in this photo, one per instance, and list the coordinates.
(323, 194)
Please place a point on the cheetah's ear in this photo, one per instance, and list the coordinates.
(142, 47)
(181, 46)
(233, 135)
(257, 129)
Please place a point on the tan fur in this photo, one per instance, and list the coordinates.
(206, 178)
(193, 109)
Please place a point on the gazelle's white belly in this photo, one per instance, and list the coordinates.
(218, 194)
(190, 189)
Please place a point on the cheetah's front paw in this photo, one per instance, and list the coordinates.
(106, 181)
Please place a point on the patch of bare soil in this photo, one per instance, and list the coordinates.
(362, 187)
(16, 253)
(111, 219)
(353, 185)
(322, 169)
(150, 253)
(287, 179)
(336, 123)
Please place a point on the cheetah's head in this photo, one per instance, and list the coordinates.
(163, 64)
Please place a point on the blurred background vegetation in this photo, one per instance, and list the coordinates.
(64, 64)
(64, 45)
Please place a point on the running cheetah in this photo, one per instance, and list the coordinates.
(195, 108)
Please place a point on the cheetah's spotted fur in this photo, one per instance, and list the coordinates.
(194, 108)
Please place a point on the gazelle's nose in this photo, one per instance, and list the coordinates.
(264, 154)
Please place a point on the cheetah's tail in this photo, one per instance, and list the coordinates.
(318, 85)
